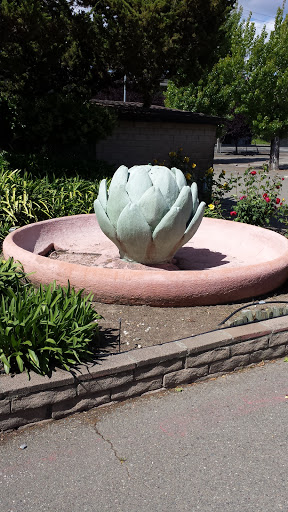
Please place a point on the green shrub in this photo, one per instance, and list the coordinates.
(258, 200)
(25, 198)
(45, 328)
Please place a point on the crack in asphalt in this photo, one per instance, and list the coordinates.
(122, 460)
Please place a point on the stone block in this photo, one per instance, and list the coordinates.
(21, 385)
(78, 404)
(229, 364)
(245, 347)
(5, 407)
(278, 338)
(269, 353)
(136, 388)
(20, 418)
(249, 331)
(145, 372)
(209, 340)
(104, 383)
(208, 357)
(157, 353)
(185, 376)
(43, 398)
(109, 365)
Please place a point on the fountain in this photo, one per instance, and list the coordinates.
(147, 254)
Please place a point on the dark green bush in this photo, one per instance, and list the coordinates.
(45, 328)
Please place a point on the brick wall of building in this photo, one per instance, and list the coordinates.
(139, 142)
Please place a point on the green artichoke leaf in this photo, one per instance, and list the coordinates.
(153, 206)
(134, 232)
(195, 223)
(164, 179)
(117, 195)
(104, 221)
(138, 182)
(195, 199)
(171, 228)
(180, 178)
(102, 194)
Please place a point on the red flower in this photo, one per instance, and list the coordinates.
(277, 200)
(277, 186)
(242, 197)
(253, 173)
(265, 195)
(283, 179)
(233, 213)
(267, 199)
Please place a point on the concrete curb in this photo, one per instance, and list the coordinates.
(121, 376)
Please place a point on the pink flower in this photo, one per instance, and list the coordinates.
(233, 213)
(277, 200)
(253, 173)
(242, 197)
(267, 199)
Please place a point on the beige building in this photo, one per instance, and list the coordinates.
(143, 135)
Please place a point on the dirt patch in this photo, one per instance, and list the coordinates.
(145, 326)
(124, 327)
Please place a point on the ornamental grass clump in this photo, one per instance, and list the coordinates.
(40, 330)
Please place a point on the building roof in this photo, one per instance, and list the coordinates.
(136, 111)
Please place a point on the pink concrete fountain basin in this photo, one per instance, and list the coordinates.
(225, 261)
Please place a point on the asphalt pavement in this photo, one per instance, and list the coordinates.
(219, 445)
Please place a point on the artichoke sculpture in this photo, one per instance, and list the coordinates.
(149, 212)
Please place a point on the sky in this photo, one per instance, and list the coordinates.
(263, 12)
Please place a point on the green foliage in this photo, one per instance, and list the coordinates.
(52, 61)
(45, 328)
(252, 79)
(148, 40)
(264, 92)
(259, 199)
(25, 198)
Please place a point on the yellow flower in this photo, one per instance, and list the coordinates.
(193, 166)
(172, 154)
(223, 172)
(186, 159)
(180, 149)
(155, 161)
(188, 176)
(210, 170)
(225, 185)
(211, 206)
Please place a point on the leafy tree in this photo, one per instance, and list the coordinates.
(51, 62)
(264, 93)
(149, 40)
(252, 79)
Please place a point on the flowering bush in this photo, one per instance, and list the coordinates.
(258, 202)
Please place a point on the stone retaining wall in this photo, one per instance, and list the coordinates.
(133, 373)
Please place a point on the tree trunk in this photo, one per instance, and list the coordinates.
(236, 146)
(218, 145)
(274, 154)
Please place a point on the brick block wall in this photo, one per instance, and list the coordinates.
(119, 377)
(139, 142)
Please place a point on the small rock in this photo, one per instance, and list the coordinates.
(148, 329)
(23, 446)
(139, 346)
